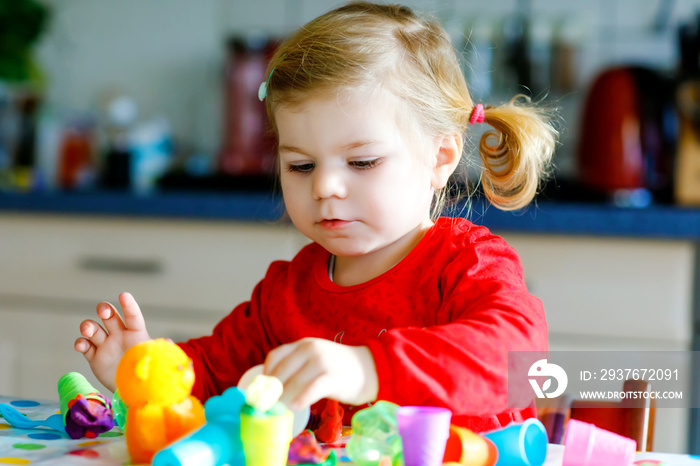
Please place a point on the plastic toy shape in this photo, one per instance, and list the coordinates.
(375, 436)
(86, 412)
(266, 437)
(469, 449)
(217, 443)
(20, 421)
(155, 380)
(265, 434)
(119, 410)
(520, 444)
(301, 417)
(424, 432)
(588, 445)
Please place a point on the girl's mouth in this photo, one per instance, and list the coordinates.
(334, 223)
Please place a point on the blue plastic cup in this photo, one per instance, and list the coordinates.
(520, 444)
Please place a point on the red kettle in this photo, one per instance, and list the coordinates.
(628, 133)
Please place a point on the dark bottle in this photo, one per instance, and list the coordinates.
(116, 169)
(121, 114)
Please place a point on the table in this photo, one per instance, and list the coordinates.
(48, 447)
(555, 453)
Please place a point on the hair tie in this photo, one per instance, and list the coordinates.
(478, 114)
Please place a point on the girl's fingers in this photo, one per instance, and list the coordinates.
(84, 346)
(110, 317)
(93, 332)
(316, 390)
(133, 317)
(304, 387)
(281, 363)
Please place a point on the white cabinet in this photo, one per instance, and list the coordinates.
(54, 269)
(616, 294)
(167, 264)
(611, 293)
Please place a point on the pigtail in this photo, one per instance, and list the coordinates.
(517, 153)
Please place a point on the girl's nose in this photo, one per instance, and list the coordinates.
(328, 183)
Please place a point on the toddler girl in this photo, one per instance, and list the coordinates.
(388, 302)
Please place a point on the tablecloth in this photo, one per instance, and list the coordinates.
(43, 446)
(46, 446)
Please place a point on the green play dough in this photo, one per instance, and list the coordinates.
(72, 384)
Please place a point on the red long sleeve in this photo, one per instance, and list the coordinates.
(462, 362)
(237, 343)
(439, 324)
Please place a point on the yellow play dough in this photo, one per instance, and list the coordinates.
(157, 372)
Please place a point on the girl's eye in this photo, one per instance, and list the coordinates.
(301, 167)
(364, 164)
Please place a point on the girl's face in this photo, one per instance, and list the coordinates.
(353, 178)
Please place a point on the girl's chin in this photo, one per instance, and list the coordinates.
(344, 250)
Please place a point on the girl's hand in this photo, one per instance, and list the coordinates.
(103, 347)
(312, 369)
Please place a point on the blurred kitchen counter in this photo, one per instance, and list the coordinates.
(244, 206)
(542, 217)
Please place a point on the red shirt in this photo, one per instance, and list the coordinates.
(439, 324)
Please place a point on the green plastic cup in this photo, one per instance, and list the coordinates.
(266, 438)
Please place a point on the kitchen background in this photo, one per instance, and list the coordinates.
(164, 81)
(131, 144)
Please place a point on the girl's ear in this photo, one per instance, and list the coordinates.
(448, 154)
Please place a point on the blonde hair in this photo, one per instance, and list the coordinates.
(362, 45)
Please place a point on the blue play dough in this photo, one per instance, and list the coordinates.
(44, 436)
(24, 403)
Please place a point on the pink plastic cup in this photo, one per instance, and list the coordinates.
(424, 431)
(588, 445)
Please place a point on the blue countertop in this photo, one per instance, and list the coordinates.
(543, 217)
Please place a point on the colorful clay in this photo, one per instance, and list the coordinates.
(155, 380)
(263, 392)
(86, 412)
(331, 422)
(305, 449)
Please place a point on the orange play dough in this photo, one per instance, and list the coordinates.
(155, 380)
